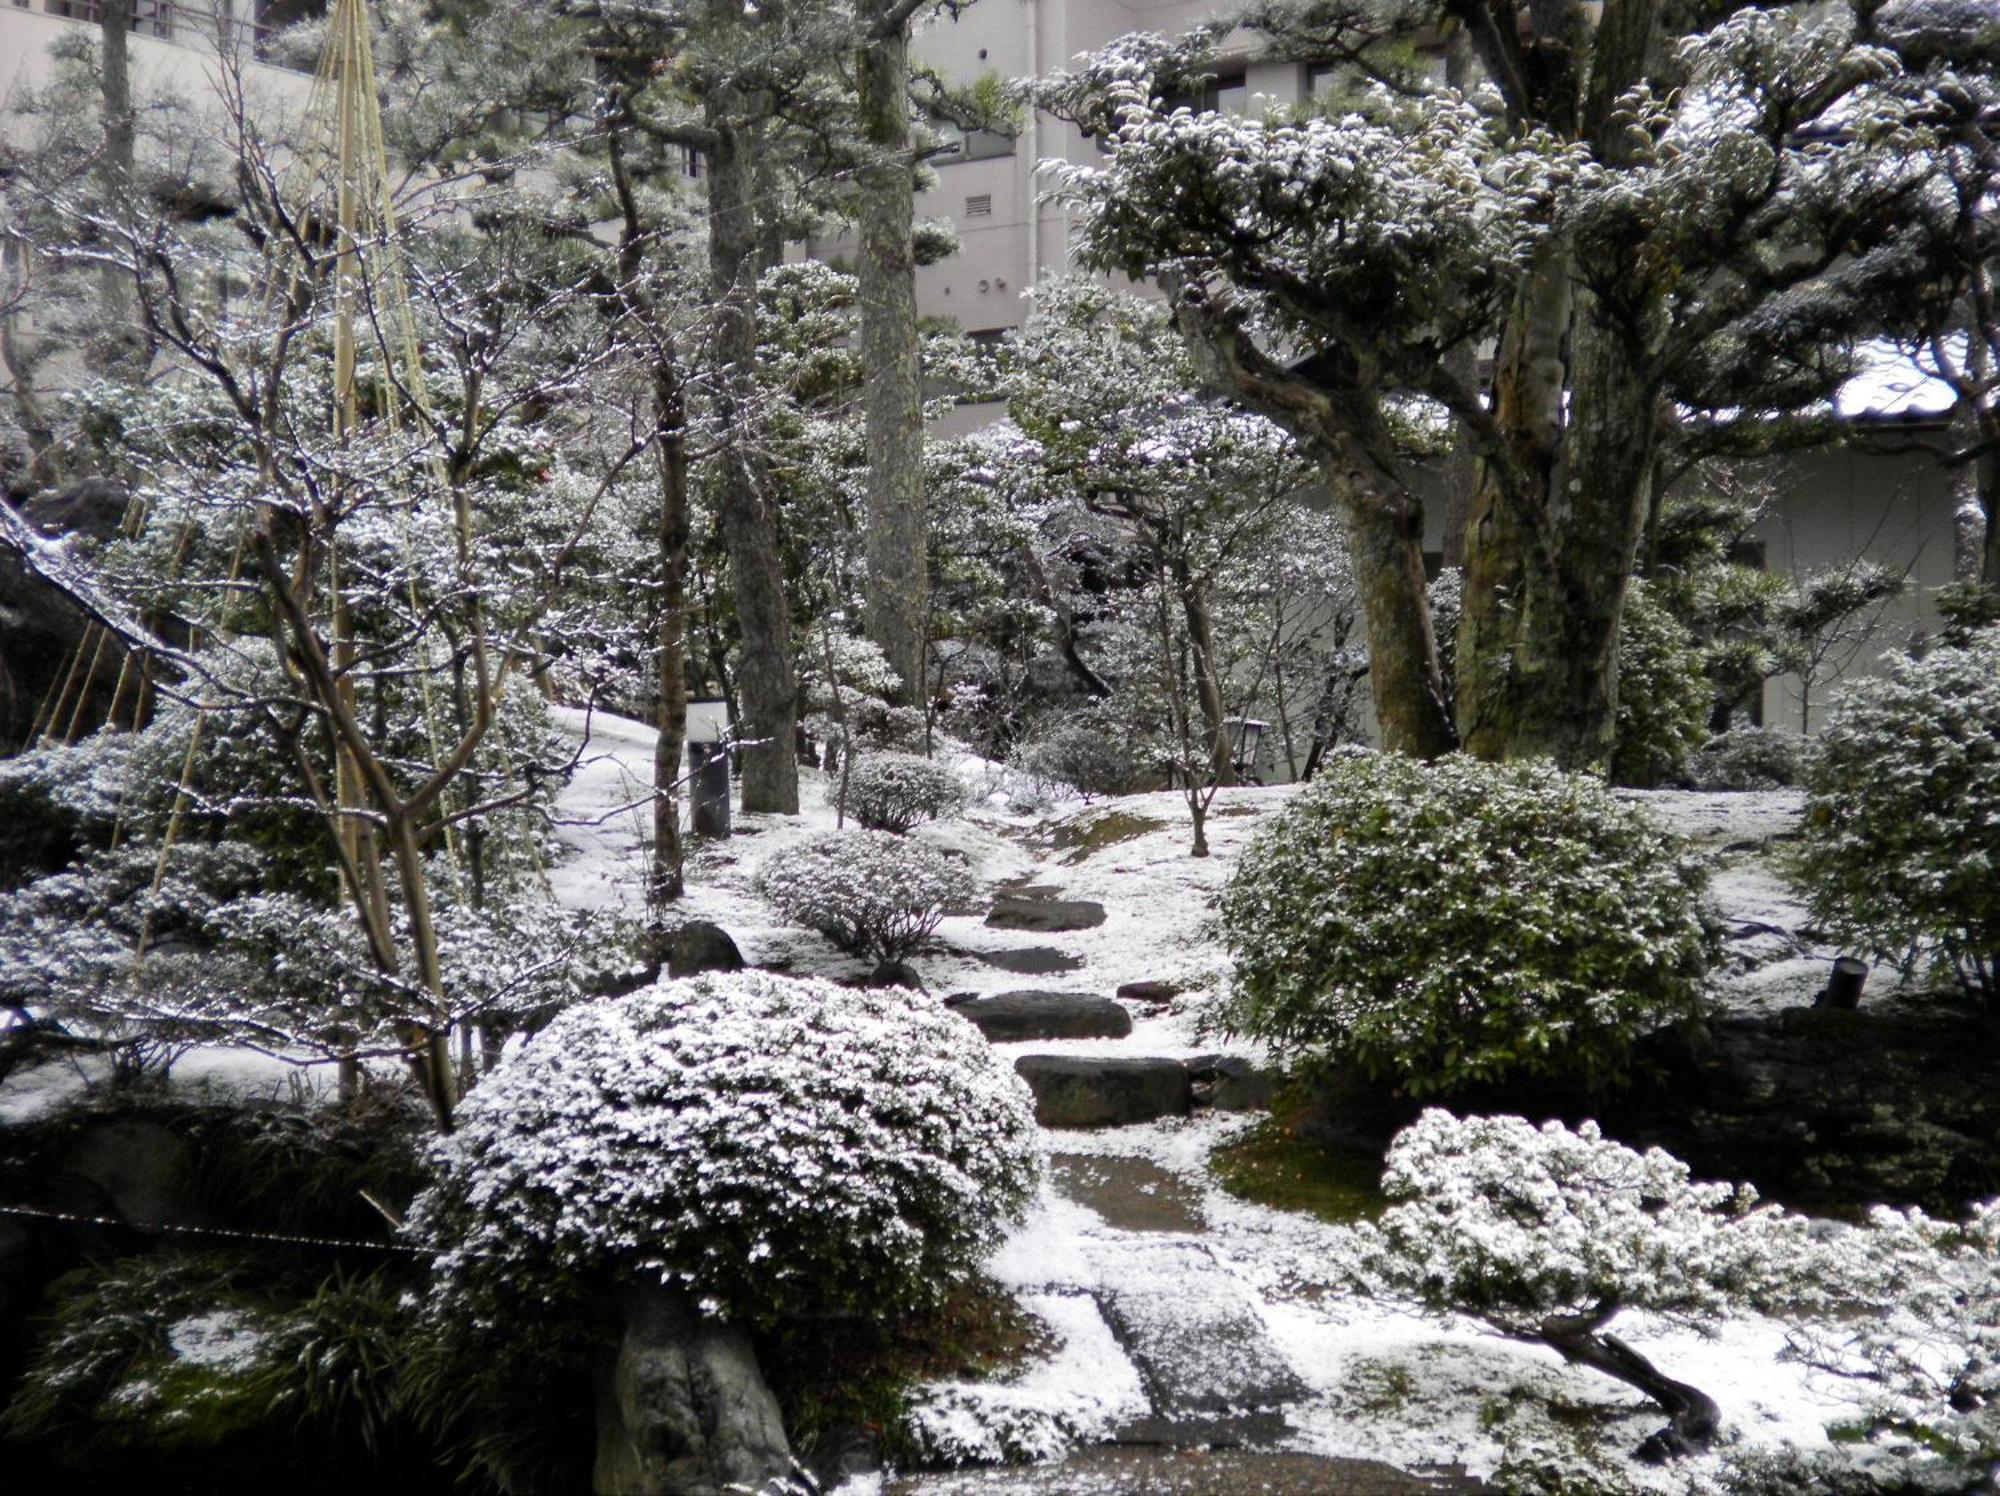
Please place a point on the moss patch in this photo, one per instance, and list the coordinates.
(1273, 1166)
(1083, 838)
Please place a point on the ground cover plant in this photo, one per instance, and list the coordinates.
(1440, 925)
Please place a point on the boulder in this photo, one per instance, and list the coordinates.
(1009, 1017)
(1230, 1083)
(682, 1407)
(1103, 1091)
(1032, 961)
(1048, 916)
(701, 946)
(141, 1167)
(896, 974)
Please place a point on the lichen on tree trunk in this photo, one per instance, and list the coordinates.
(898, 574)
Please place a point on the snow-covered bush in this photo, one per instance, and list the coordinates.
(872, 893)
(1930, 1345)
(778, 1147)
(1664, 695)
(1901, 852)
(1749, 758)
(1085, 752)
(1446, 924)
(1547, 1234)
(895, 791)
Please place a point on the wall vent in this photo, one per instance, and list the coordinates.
(979, 205)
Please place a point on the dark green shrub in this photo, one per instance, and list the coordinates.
(1452, 923)
(1901, 853)
(1749, 758)
(1664, 695)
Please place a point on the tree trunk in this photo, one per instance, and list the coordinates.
(1207, 682)
(1546, 583)
(115, 84)
(1385, 539)
(667, 884)
(767, 680)
(1693, 1420)
(898, 577)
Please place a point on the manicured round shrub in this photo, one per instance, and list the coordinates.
(1749, 758)
(1664, 695)
(1084, 752)
(1450, 923)
(895, 791)
(777, 1147)
(1901, 852)
(872, 893)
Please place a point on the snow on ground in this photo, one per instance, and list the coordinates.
(1386, 1383)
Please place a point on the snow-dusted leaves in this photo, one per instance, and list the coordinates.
(872, 893)
(1445, 924)
(778, 1146)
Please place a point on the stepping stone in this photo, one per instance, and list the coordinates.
(1104, 1091)
(1032, 961)
(1132, 1194)
(1047, 916)
(1208, 1365)
(1010, 1017)
(1148, 992)
(1230, 1083)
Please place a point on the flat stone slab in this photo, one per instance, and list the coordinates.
(1210, 1369)
(1032, 961)
(1011, 1017)
(1143, 1471)
(1148, 992)
(1103, 1091)
(1048, 916)
(1132, 1194)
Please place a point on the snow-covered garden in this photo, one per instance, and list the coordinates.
(626, 866)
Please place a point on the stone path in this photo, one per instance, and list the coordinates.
(1216, 1391)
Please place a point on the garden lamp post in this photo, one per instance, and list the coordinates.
(708, 766)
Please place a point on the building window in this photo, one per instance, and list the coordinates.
(979, 205)
(690, 162)
(1321, 78)
(149, 17)
(1226, 94)
(973, 145)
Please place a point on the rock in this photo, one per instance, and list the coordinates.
(682, 1407)
(1827, 1108)
(1048, 916)
(1131, 1194)
(896, 974)
(701, 946)
(1010, 1017)
(1230, 1083)
(140, 1166)
(1032, 961)
(1103, 1091)
(1158, 993)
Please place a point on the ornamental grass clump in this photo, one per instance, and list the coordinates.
(895, 791)
(778, 1148)
(1448, 924)
(872, 893)
(1901, 849)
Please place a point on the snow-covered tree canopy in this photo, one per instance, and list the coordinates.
(776, 1146)
(1546, 1234)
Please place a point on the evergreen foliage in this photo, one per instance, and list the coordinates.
(1902, 819)
(1453, 923)
(872, 893)
(895, 791)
